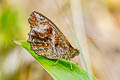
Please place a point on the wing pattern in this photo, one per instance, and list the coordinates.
(47, 40)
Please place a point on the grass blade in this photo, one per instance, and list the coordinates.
(60, 71)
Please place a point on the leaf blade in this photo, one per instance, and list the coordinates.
(61, 71)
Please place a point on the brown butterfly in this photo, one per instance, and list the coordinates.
(47, 40)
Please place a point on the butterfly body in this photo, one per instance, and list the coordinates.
(47, 40)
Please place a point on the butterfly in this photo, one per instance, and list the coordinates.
(47, 40)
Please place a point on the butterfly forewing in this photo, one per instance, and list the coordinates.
(47, 40)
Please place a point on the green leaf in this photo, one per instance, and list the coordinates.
(61, 71)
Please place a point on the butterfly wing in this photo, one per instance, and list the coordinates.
(47, 40)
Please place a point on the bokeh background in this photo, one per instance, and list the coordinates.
(96, 24)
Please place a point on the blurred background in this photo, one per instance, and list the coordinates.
(96, 24)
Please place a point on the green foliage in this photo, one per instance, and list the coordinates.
(61, 71)
(9, 27)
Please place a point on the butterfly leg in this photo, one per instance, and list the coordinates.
(55, 62)
(70, 64)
